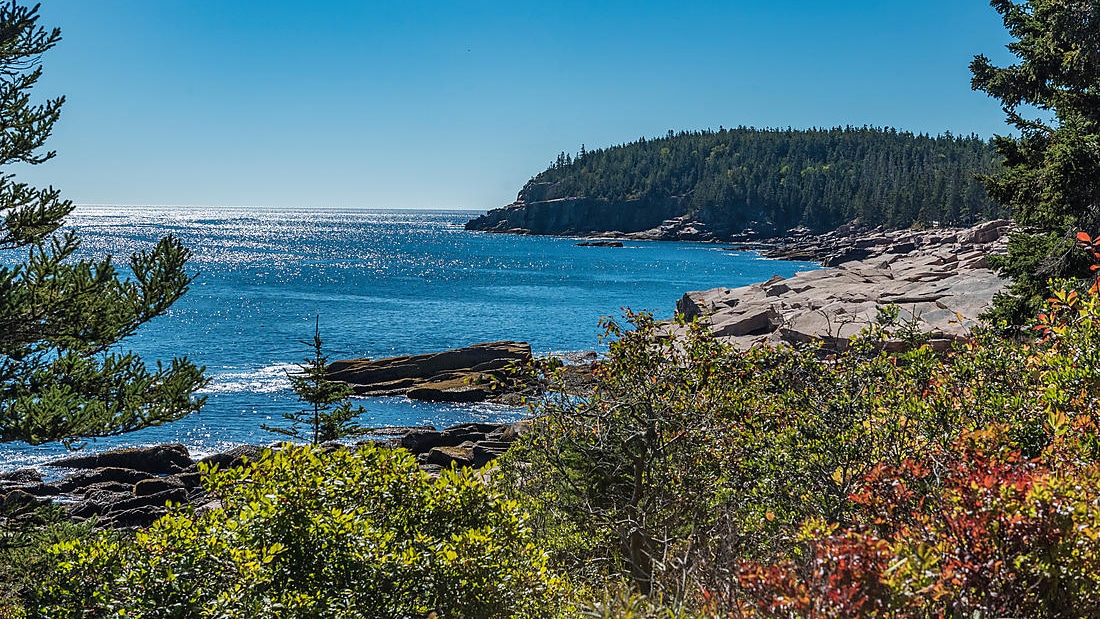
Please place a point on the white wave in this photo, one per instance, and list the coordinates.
(268, 379)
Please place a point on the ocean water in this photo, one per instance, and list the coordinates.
(382, 283)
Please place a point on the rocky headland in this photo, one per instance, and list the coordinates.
(939, 279)
(537, 211)
(651, 219)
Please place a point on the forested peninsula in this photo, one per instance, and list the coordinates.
(733, 183)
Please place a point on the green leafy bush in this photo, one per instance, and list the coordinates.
(304, 533)
(27, 532)
(692, 460)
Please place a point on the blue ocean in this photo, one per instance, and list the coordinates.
(382, 283)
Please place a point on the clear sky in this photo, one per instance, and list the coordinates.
(414, 104)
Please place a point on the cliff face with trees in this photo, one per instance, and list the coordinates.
(765, 180)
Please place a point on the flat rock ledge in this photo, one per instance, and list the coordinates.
(939, 279)
(129, 488)
(482, 372)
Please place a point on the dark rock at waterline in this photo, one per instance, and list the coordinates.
(234, 457)
(36, 489)
(155, 460)
(84, 479)
(125, 498)
(121, 509)
(420, 441)
(398, 431)
(457, 391)
(104, 486)
(599, 244)
(21, 476)
(472, 374)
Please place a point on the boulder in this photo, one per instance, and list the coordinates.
(107, 486)
(421, 441)
(456, 391)
(97, 503)
(158, 499)
(987, 232)
(106, 504)
(516, 430)
(84, 479)
(752, 319)
(234, 457)
(21, 476)
(35, 489)
(188, 480)
(155, 460)
(134, 518)
(458, 455)
(148, 487)
(487, 451)
(474, 426)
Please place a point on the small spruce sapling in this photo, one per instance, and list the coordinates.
(322, 422)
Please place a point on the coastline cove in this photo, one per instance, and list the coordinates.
(383, 283)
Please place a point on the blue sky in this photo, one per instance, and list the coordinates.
(413, 104)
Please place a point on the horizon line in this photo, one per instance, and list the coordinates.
(275, 207)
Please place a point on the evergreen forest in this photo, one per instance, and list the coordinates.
(771, 180)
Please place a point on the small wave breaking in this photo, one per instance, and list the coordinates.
(268, 379)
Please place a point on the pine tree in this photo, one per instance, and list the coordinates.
(62, 375)
(1051, 174)
(311, 384)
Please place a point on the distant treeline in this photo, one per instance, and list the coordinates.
(772, 180)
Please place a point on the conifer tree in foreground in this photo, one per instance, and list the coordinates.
(323, 423)
(1051, 173)
(62, 376)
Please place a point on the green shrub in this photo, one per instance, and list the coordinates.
(691, 458)
(303, 533)
(26, 534)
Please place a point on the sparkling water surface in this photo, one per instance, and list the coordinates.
(383, 283)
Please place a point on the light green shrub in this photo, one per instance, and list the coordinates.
(304, 533)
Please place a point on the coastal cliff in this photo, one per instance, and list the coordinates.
(576, 215)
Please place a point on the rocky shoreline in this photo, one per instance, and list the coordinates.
(938, 279)
(129, 488)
